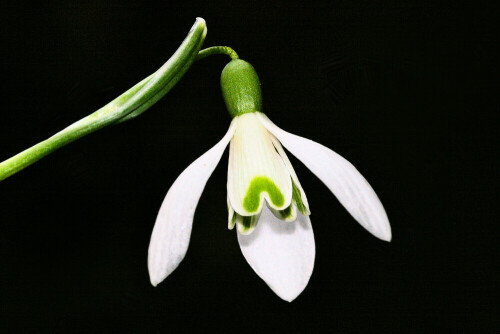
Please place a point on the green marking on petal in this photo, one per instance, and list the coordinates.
(246, 221)
(231, 216)
(233, 222)
(297, 198)
(289, 214)
(258, 185)
(246, 224)
(286, 213)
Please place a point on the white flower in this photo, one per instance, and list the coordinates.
(264, 196)
(263, 191)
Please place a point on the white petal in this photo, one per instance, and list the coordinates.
(256, 171)
(340, 176)
(172, 230)
(281, 253)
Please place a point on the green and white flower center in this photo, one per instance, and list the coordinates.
(256, 170)
(259, 172)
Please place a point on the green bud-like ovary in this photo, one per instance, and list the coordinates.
(241, 88)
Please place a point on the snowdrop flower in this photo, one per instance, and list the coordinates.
(265, 199)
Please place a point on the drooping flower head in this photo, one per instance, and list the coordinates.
(259, 171)
(265, 199)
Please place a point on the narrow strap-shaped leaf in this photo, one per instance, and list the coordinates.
(164, 90)
(214, 50)
(133, 102)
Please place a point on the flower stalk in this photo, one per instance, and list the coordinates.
(213, 50)
(127, 106)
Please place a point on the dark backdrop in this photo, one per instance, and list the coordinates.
(405, 90)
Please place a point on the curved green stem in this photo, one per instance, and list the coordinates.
(127, 106)
(133, 102)
(226, 50)
(202, 54)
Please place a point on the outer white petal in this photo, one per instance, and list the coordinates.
(340, 176)
(252, 157)
(172, 230)
(281, 253)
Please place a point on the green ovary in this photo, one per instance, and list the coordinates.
(258, 185)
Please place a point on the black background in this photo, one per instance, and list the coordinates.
(405, 90)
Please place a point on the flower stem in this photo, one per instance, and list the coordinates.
(217, 50)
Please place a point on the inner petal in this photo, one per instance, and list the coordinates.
(299, 196)
(246, 224)
(288, 215)
(256, 172)
(231, 216)
(262, 186)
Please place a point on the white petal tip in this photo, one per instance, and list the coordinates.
(155, 280)
(388, 238)
(156, 276)
(385, 235)
(384, 238)
(289, 296)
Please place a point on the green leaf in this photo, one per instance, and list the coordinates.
(128, 105)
